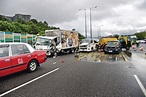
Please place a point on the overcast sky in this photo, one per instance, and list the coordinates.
(110, 16)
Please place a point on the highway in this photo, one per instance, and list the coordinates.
(93, 74)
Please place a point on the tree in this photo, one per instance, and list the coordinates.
(116, 36)
(20, 21)
(34, 21)
(34, 29)
(45, 23)
(81, 36)
(2, 18)
(141, 35)
(31, 27)
(18, 27)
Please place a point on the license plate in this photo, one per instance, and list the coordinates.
(110, 51)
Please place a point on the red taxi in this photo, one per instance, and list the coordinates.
(15, 57)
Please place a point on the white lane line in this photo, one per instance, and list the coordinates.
(5, 93)
(140, 84)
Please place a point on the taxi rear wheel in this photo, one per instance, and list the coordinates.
(32, 66)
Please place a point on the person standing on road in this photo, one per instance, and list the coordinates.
(137, 43)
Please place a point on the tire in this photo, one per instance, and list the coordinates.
(92, 49)
(32, 66)
(105, 52)
(97, 48)
(71, 51)
(127, 48)
(55, 54)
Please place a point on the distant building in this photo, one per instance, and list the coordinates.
(26, 18)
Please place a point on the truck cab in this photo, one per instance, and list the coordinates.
(125, 42)
(61, 41)
(44, 43)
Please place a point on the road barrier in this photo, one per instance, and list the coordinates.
(17, 37)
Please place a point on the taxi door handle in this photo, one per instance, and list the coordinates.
(7, 60)
(29, 56)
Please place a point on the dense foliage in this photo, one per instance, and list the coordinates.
(141, 35)
(20, 26)
(81, 37)
(31, 27)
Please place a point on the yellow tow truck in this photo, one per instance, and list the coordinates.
(125, 42)
(103, 41)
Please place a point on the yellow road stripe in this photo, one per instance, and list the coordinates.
(123, 57)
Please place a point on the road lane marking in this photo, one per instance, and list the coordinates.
(5, 93)
(140, 84)
(123, 57)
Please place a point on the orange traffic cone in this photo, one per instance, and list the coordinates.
(133, 46)
(141, 49)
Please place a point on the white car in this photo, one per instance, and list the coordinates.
(141, 41)
(88, 45)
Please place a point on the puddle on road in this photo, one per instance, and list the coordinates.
(129, 54)
(99, 57)
(114, 58)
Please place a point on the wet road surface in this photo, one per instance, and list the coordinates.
(90, 75)
(100, 57)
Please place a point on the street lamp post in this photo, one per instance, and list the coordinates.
(100, 30)
(85, 23)
(99, 34)
(91, 22)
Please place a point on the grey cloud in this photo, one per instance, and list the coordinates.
(51, 10)
(142, 5)
(108, 13)
(61, 12)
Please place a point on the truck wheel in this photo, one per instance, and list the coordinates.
(32, 66)
(96, 48)
(71, 51)
(55, 54)
(92, 49)
(105, 52)
(127, 48)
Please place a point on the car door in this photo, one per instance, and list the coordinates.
(20, 57)
(5, 62)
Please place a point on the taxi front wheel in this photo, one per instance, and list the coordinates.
(32, 66)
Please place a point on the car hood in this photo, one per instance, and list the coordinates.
(112, 46)
(84, 44)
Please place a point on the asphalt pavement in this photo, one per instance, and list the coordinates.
(65, 76)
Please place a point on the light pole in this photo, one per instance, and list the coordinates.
(99, 34)
(100, 30)
(85, 23)
(91, 22)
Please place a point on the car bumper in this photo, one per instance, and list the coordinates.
(85, 50)
(112, 51)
